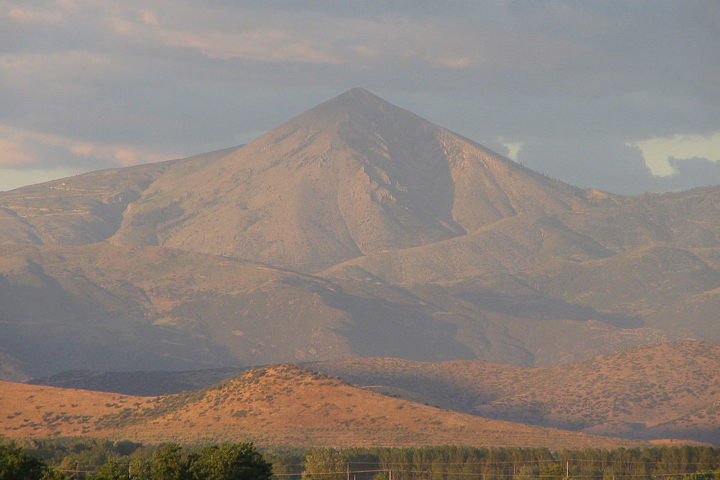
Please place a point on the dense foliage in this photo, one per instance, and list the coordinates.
(103, 460)
(16, 464)
(325, 464)
(458, 463)
(91, 459)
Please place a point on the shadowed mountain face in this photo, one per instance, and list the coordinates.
(355, 229)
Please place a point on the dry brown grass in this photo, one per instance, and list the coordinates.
(651, 391)
(282, 405)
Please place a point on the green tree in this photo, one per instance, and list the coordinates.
(82, 460)
(16, 464)
(140, 469)
(551, 471)
(230, 461)
(325, 464)
(526, 472)
(168, 463)
(113, 470)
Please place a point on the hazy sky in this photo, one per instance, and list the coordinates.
(618, 95)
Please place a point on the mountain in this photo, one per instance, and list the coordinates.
(650, 392)
(356, 229)
(81, 209)
(352, 176)
(132, 308)
(279, 405)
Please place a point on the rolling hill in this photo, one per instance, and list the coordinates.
(278, 405)
(650, 392)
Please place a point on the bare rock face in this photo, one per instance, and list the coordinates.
(352, 176)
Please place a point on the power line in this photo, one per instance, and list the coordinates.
(476, 474)
(480, 461)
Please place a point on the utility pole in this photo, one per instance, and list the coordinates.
(348, 472)
(567, 469)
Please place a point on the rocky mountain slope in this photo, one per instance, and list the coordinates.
(352, 176)
(355, 229)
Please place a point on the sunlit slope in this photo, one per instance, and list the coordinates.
(81, 209)
(655, 391)
(355, 229)
(352, 176)
(281, 405)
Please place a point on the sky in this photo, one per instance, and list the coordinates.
(623, 96)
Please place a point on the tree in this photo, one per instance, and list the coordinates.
(15, 464)
(140, 469)
(325, 464)
(113, 470)
(551, 471)
(167, 463)
(238, 461)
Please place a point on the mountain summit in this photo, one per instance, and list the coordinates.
(355, 229)
(353, 175)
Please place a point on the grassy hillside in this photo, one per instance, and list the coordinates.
(280, 405)
(645, 392)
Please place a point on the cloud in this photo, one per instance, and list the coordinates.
(589, 162)
(580, 84)
(38, 151)
(513, 149)
(614, 166)
(258, 45)
(663, 155)
(12, 154)
(13, 178)
(34, 16)
(149, 17)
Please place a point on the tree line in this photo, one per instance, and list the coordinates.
(92, 459)
(228, 461)
(465, 463)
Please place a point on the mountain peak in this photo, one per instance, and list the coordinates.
(356, 102)
(358, 94)
(351, 176)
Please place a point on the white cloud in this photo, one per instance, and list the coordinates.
(658, 151)
(513, 149)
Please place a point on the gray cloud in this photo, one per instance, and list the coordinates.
(573, 81)
(589, 162)
(693, 172)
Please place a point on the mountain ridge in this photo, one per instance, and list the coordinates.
(354, 229)
(351, 176)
